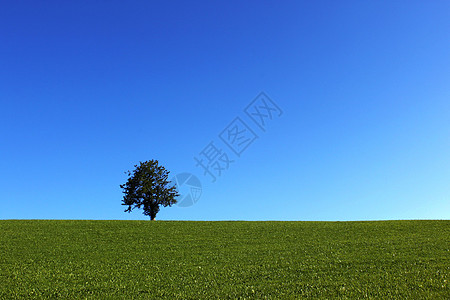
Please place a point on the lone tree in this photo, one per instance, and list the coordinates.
(148, 187)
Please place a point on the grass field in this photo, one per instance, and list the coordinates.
(195, 260)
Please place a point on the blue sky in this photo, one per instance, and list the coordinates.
(90, 88)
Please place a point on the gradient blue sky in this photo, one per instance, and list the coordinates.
(89, 88)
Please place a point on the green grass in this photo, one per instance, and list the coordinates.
(196, 260)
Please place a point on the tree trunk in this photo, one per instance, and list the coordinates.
(153, 212)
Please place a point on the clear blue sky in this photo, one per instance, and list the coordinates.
(89, 88)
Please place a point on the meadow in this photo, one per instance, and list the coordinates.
(74, 259)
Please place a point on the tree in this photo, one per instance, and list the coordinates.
(148, 187)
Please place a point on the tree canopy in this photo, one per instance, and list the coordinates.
(148, 188)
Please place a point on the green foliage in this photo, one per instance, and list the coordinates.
(222, 260)
(148, 187)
